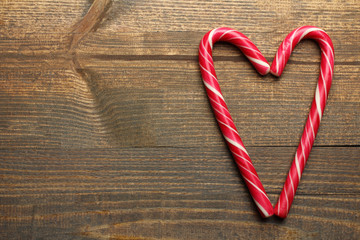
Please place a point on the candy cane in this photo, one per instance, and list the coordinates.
(227, 125)
(317, 108)
(222, 113)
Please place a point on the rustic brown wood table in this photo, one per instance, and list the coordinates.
(106, 131)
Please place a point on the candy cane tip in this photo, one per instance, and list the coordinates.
(274, 73)
(265, 213)
(266, 71)
(281, 213)
(269, 213)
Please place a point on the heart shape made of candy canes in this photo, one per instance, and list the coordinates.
(227, 125)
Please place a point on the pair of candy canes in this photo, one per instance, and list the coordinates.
(227, 125)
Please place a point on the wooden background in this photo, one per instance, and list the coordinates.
(106, 131)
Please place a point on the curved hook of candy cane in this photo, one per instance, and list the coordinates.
(222, 113)
(317, 108)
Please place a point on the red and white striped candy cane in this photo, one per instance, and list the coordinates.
(317, 108)
(222, 113)
(227, 125)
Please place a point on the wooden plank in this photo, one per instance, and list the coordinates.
(160, 103)
(158, 27)
(172, 193)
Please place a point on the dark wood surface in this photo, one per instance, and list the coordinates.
(106, 131)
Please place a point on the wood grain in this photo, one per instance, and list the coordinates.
(106, 131)
(188, 192)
